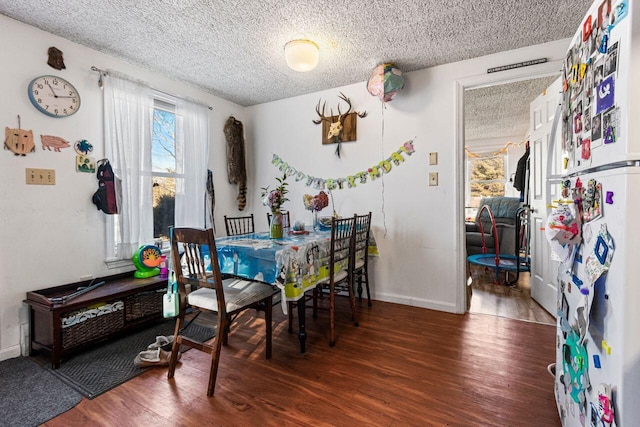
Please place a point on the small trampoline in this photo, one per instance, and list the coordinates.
(499, 262)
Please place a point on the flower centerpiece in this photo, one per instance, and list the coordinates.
(274, 199)
(315, 204)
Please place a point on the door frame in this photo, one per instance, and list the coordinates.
(547, 69)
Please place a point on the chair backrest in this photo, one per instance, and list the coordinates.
(190, 268)
(238, 225)
(286, 223)
(342, 242)
(504, 210)
(361, 239)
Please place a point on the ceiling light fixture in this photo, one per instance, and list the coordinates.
(301, 55)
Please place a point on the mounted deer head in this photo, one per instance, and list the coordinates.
(336, 123)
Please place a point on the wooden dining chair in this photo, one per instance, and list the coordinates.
(361, 254)
(238, 225)
(340, 271)
(209, 292)
(286, 222)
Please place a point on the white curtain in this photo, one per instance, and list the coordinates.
(128, 118)
(128, 122)
(192, 146)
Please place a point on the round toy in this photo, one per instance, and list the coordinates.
(147, 261)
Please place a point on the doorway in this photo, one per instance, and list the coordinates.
(496, 135)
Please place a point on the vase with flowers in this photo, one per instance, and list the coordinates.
(315, 204)
(274, 199)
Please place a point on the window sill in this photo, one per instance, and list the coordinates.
(118, 263)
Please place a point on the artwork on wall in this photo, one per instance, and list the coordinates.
(19, 141)
(350, 181)
(55, 58)
(55, 142)
(340, 128)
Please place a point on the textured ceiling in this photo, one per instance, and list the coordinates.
(234, 49)
(501, 111)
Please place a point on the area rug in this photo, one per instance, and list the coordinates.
(106, 366)
(30, 395)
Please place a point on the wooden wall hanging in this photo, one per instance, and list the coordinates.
(339, 128)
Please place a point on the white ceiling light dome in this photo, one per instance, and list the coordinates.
(301, 55)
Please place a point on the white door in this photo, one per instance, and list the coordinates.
(544, 271)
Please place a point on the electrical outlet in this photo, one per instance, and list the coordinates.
(40, 176)
(433, 158)
(433, 179)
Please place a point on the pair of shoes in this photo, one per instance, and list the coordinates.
(157, 357)
(162, 342)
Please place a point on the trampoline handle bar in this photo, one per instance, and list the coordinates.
(495, 233)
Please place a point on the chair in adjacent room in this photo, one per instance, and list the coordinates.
(504, 210)
(361, 254)
(209, 292)
(340, 278)
(239, 225)
(286, 222)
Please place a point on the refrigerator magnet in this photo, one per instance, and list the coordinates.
(609, 197)
(586, 149)
(605, 95)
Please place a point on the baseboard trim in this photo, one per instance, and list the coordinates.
(10, 353)
(417, 302)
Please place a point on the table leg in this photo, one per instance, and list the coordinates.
(302, 332)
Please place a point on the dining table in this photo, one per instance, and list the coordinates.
(294, 263)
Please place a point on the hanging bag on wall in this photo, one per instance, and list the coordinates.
(106, 197)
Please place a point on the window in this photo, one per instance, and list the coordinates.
(163, 171)
(149, 138)
(486, 179)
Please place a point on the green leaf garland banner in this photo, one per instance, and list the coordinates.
(350, 181)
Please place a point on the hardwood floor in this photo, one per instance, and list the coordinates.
(505, 301)
(404, 366)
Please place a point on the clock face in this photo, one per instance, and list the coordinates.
(54, 96)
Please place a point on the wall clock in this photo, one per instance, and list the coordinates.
(53, 96)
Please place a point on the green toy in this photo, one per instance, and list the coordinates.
(147, 261)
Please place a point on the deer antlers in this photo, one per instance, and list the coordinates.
(341, 116)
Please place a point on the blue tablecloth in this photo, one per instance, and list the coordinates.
(295, 263)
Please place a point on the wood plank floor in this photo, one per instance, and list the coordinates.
(505, 301)
(404, 366)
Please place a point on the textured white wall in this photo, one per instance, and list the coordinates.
(419, 249)
(51, 235)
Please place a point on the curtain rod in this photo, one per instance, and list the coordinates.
(104, 73)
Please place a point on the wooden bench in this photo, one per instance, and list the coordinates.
(122, 303)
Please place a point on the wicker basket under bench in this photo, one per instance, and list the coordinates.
(121, 304)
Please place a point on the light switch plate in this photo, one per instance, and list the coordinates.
(40, 176)
(433, 179)
(433, 158)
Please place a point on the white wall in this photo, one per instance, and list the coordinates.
(416, 226)
(51, 235)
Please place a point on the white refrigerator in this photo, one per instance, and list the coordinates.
(594, 229)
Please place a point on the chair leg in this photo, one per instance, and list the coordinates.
(365, 273)
(173, 360)
(315, 303)
(269, 326)
(332, 309)
(215, 356)
(290, 310)
(359, 274)
(352, 302)
(225, 333)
